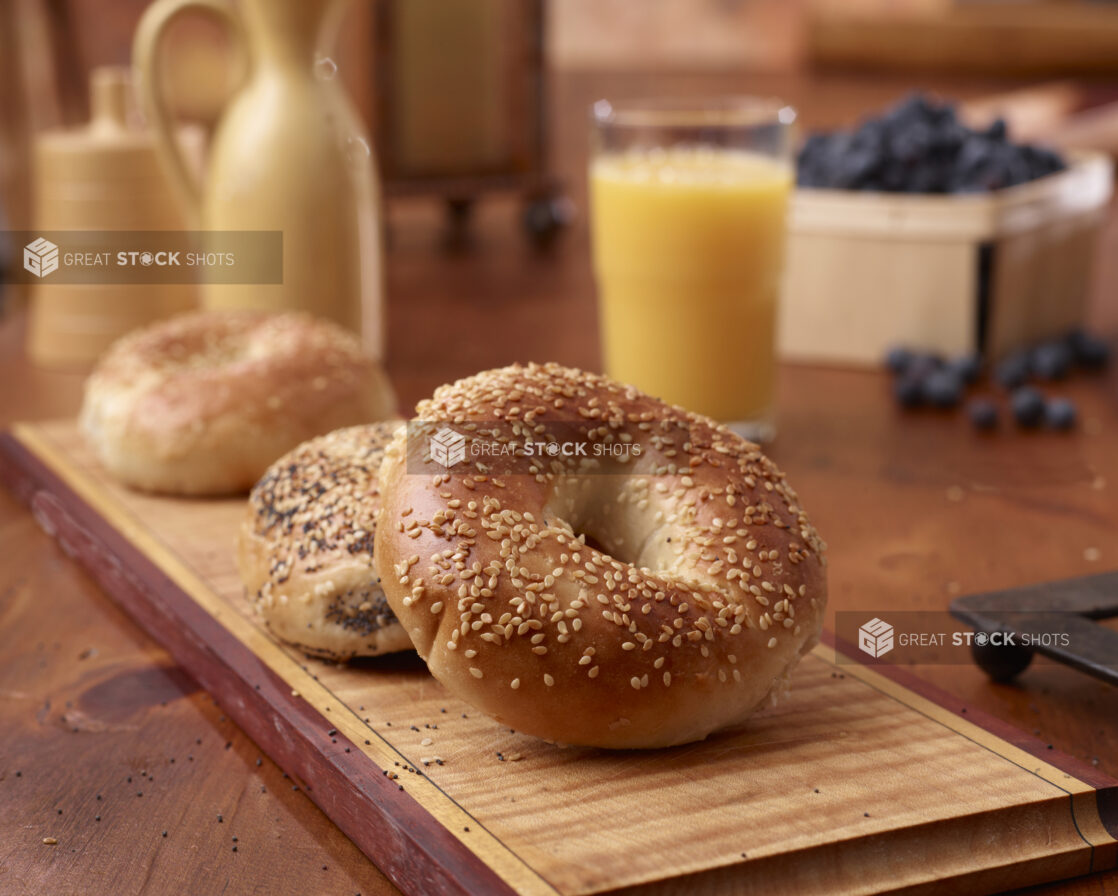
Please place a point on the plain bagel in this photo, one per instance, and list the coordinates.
(305, 551)
(610, 597)
(202, 403)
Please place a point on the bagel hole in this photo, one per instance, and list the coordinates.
(592, 542)
(623, 552)
(599, 511)
(608, 537)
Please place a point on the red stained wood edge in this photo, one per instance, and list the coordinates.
(1106, 787)
(408, 844)
(389, 826)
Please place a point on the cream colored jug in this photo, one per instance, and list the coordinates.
(101, 177)
(289, 154)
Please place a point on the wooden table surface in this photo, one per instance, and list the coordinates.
(148, 788)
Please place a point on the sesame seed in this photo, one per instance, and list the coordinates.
(531, 600)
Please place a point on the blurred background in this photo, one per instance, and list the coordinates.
(477, 111)
(1069, 48)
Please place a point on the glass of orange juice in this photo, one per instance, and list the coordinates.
(688, 202)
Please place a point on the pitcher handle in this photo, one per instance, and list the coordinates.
(145, 55)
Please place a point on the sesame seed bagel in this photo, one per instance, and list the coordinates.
(305, 550)
(616, 598)
(202, 403)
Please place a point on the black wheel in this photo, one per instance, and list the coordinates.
(1002, 664)
(544, 217)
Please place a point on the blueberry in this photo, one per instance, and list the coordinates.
(908, 390)
(913, 108)
(997, 130)
(983, 413)
(894, 175)
(1094, 354)
(974, 155)
(898, 359)
(924, 365)
(1089, 351)
(1012, 371)
(815, 147)
(1059, 413)
(1050, 361)
(966, 368)
(1016, 167)
(911, 144)
(919, 146)
(854, 169)
(942, 388)
(923, 179)
(943, 116)
(1028, 406)
(1047, 161)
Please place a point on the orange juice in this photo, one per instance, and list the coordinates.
(688, 252)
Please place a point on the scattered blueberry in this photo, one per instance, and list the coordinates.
(967, 368)
(983, 413)
(1089, 351)
(942, 388)
(909, 391)
(1050, 361)
(928, 379)
(1028, 406)
(1059, 413)
(898, 359)
(1013, 371)
(922, 365)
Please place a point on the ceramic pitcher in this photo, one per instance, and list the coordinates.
(104, 176)
(289, 153)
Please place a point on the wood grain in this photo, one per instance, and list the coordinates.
(1023, 39)
(93, 713)
(876, 482)
(853, 766)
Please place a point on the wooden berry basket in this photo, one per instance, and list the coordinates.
(952, 274)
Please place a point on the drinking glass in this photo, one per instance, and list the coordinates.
(688, 208)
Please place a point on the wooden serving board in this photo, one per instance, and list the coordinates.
(858, 783)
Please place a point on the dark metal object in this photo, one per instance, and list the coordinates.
(1070, 607)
